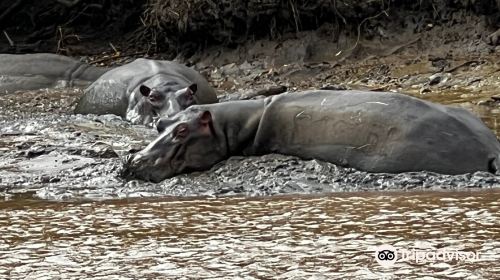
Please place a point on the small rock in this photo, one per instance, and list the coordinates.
(54, 180)
(23, 145)
(494, 38)
(439, 78)
(102, 150)
(424, 90)
(440, 63)
(334, 87)
(434, 79)
(45, 179)
(35, 151)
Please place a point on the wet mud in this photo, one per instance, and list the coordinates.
(50, 153)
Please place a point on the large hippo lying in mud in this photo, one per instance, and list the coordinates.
(370, 131)
(145, 88)
(44, 70)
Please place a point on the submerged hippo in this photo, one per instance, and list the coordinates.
(370, 131)
(44, 70)
(145, 88)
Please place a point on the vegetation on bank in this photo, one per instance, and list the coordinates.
(172, 25)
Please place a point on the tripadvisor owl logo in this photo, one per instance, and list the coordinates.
(386, 255)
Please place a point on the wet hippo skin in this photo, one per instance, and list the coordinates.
(370, 131)
(44, 70)
(124, 90)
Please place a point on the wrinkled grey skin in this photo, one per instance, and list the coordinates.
(118, 91)
(159, 101)
(44, 70)
(370, 131)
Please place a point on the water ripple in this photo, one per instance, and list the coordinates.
(282, 237)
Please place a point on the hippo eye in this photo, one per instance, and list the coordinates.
(181, 131)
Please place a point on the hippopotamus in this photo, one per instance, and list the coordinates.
(144, 88)
(378, 132)
(44, 70)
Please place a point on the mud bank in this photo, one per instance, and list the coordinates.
(48, 152)
(72, 157)
(51, 154)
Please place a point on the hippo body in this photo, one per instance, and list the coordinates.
(44, 70)
(118, 91)
(370, 131)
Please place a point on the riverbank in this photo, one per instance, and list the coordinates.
(50, 153)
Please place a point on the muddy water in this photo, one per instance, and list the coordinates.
(280, 237)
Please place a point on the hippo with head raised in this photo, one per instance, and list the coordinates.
(143, 89)
(370, 131)
(160, 101)
(44, 70)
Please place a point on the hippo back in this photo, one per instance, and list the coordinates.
(377, 132)
(113, 91)
(44, 70)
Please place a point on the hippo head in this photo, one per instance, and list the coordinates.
(187, 142)
(166, 103)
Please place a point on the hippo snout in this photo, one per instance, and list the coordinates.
(127, 171)
(138, 166)
(155, 96)
(132, 165)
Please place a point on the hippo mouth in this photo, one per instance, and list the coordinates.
(155, 98)
(131, 171)
(153, 168)
(127, 171)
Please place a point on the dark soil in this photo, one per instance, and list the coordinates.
(174, 28)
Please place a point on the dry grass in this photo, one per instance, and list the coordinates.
(172, 23)
(226, 21)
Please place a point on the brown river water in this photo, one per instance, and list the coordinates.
(279, 237)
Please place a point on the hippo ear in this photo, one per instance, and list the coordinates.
(206, 117)
(193, 88)
(181, 131)
(205, 122)
(144, 90)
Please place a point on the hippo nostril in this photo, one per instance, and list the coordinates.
(129, 168)
(130, 160)
(125, 172)
(126, 159)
